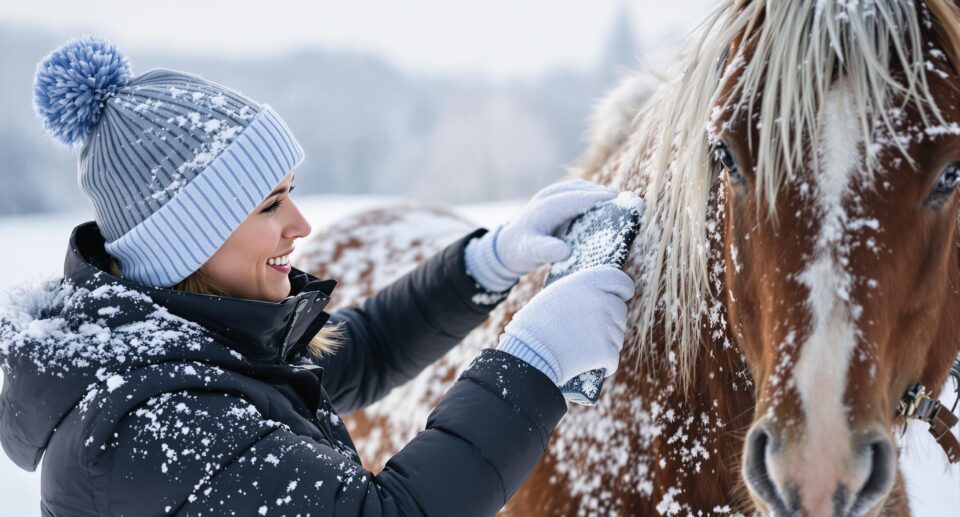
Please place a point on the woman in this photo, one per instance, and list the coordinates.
(181, 365)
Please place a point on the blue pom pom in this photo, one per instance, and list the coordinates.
(73, 84)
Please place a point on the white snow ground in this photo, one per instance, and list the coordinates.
(36, 246)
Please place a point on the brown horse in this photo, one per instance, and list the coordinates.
(798, 270)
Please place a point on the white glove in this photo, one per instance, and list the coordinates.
(499, 258)
(573, 325)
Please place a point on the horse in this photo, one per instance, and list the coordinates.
(798, 270)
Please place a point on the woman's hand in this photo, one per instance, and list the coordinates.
(573, 325)
(499, 258)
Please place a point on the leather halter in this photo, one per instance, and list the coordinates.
(919, 405)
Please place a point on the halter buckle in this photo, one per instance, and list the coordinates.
(917, 403)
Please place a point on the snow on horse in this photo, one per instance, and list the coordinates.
(798, 271)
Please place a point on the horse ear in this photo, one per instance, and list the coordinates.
(945, 16)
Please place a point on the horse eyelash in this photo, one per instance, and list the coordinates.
(735, 177)
(937, 197)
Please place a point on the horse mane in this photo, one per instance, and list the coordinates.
(797, 49)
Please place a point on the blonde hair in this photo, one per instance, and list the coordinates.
(326, 341)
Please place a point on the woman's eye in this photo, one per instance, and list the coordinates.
(276, 204)
(946, 184)
(723, 155)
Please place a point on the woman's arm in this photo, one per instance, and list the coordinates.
(194, 452)
(406, 326)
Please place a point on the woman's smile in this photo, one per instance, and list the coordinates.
(281, 264)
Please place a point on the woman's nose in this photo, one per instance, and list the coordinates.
(299, 227)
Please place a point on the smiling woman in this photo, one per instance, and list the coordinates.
(237, 269)
(253, 262)
(178, 303)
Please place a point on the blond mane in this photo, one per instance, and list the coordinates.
(798, 48)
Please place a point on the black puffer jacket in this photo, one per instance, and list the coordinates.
(147, 401)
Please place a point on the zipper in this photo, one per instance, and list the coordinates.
(284, 348)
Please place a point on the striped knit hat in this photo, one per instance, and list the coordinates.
(172, 162)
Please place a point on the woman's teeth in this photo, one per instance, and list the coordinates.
(279, 261)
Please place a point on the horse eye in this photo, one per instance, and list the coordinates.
(947, 183)
(723, 155)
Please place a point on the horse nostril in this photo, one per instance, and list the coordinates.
(760, 442)
(876, 456)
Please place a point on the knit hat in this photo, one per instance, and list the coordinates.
(172, 162)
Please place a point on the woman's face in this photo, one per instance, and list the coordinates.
(239, 267)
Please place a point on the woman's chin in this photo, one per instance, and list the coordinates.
(281, 292)
(278, 280)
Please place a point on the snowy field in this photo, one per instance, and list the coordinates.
(41, 242)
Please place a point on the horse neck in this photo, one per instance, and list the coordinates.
(719, 398)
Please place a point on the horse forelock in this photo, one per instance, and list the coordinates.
(785, 56)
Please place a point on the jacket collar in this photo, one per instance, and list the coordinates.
(266, 331)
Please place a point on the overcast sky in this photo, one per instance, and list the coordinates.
(498, 38)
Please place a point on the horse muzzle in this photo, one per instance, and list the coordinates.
(806, 479)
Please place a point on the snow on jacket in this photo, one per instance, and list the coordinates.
(145, 401)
